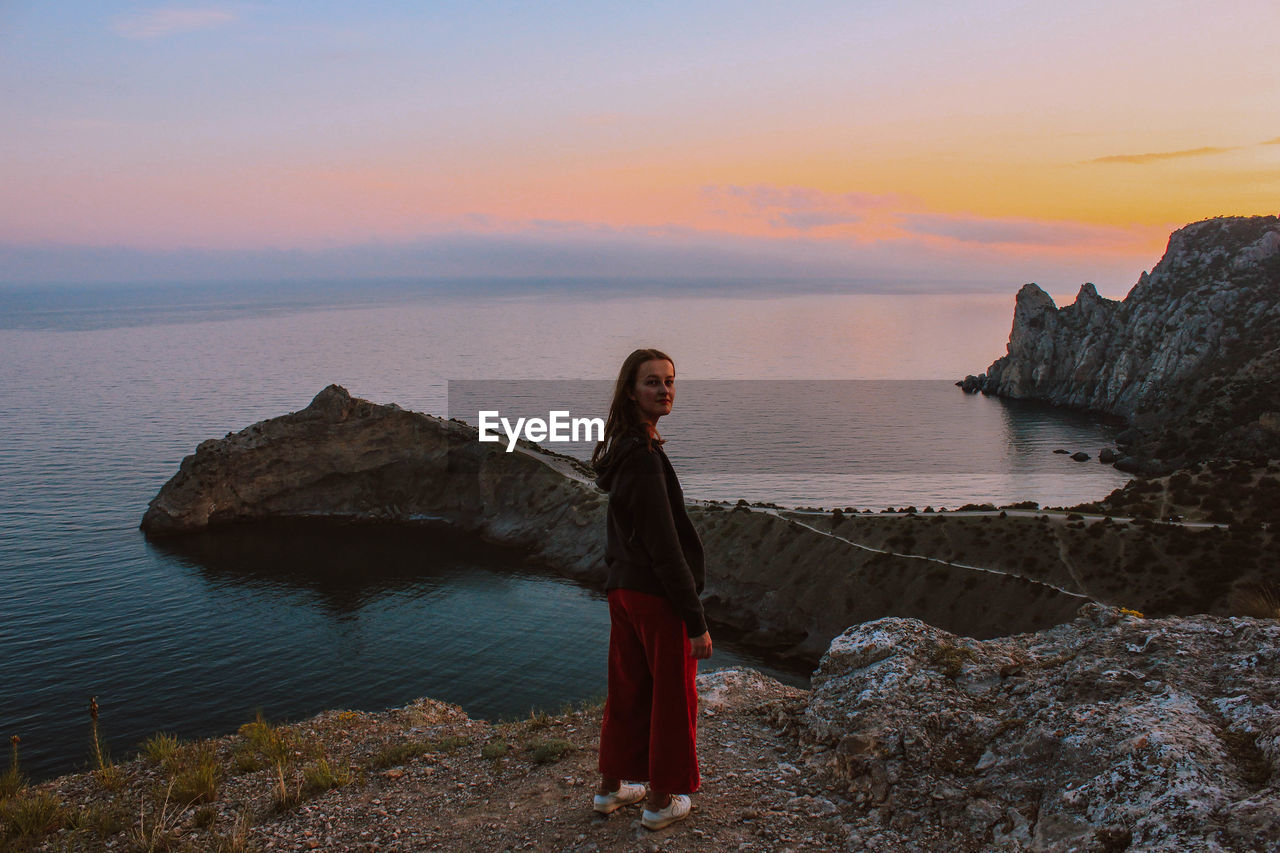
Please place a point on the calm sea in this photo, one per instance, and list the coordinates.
(804, 399)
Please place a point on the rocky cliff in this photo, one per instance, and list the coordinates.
(1190, 357)
(1109, 733)
(781, 584)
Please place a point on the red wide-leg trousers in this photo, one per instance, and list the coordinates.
(649, 733)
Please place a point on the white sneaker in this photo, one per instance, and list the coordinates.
(624, 796)
(677, 809)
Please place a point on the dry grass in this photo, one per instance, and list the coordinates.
(322, 776)
(156, 829)
(246, 759)
(101, 820)
(495, 749)
(160, 748)
(236, 840)
(105, 771)
(198, 783)
(1261, 601)
(12, 781)
(274, 744)
(451, 743)
(31, 815)
(399, 753)
(285, 797)
(111, 777)
(547, 751)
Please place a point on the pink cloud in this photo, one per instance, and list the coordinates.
(802, 208)
(158, 23)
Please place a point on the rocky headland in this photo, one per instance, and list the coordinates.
(776, 582)
(1190, 357)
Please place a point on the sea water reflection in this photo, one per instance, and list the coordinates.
(296, 617)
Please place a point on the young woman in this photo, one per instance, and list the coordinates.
(657, 627)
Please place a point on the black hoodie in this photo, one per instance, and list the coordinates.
(651, 544)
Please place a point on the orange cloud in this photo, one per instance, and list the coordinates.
(1162, 155)
(778, 211)
(803, 209)
(1025, 232)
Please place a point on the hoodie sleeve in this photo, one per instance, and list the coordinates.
(656, 529)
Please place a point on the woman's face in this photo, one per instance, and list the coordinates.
(655, 389)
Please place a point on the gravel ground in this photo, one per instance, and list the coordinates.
(427, 777)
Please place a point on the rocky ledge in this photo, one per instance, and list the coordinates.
(1190, 357)
(1112, 732)
(778, 583)
(1109, 733)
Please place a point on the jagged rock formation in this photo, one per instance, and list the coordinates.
(786, 587)
(1191, 356)
(1111, 732)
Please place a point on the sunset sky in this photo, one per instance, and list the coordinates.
(873, 144)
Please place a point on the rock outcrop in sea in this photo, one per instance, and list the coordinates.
(1190, 357)
(781, 584)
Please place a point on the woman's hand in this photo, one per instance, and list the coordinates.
(700, 647)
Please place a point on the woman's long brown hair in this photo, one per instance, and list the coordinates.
(624, 415)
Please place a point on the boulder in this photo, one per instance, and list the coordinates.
(1128, 464)
(1128, 437)
(1110, 732)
